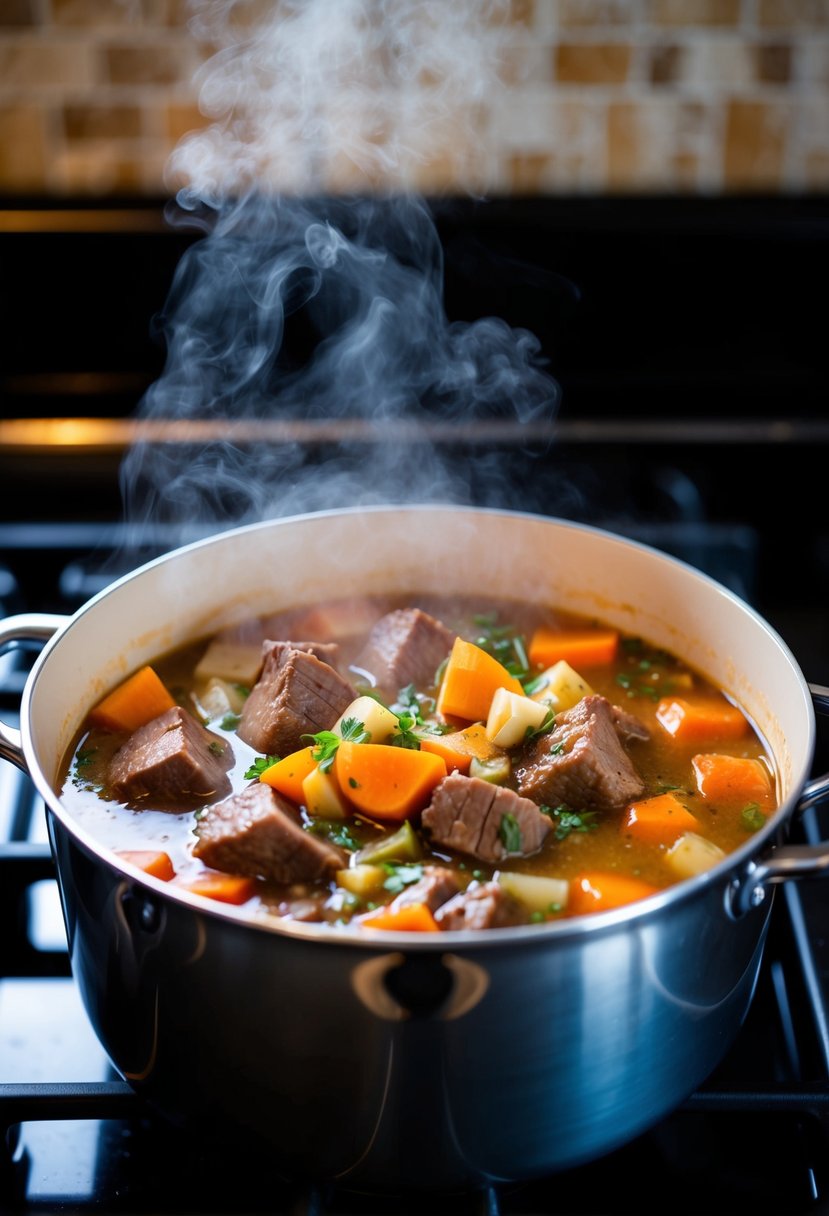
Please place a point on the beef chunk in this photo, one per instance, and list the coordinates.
(582, 762)
(483, 905)
(437, 885)
(296, 694)
(468, 814)
(173, 760)
(259, 833)
(404, 647)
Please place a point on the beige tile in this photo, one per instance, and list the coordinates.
(181, 118)
(147, 64)
(23, 152)
(793, 13)
(39, 65)
(103, 13)
(598, 13)
(592, 63)
(103, 122)
(755, 144)
(694, 12)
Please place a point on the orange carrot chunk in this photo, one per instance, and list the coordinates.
(579, 647)
(386, 782)
(701, 719)
(227, 888)
(158, 865)
(411, 918)
(470, 681)
(599, 890)
(288, 774)
(459, 749)
(733, 779)
(659, 820)
(137, 701)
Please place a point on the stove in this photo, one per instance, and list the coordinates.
(693, 418)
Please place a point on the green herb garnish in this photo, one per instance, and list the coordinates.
(326, 742)
(217, 748)
(400, 876)
(546, 725)
(751, 817)
(567, 821)
(259, 765)
(509, 831)
(230, 721)
(334, 831)
(403, 735)
(504, 643)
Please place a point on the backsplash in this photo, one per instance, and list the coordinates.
(599, 96)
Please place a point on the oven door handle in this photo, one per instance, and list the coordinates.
(14, 631)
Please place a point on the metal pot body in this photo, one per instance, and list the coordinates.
(414, 1060)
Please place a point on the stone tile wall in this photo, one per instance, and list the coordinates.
(697, 96)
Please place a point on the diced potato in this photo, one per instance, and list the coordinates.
(380, 722)
(563, 687)
(361, 879)
(511, 716)
(692, 854)
(220, 698)
(495, 770)
(535, 892)
(235, 661)
(322, 796)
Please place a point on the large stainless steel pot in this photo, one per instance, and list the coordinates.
(416, 1060)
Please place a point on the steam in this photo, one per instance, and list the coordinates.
(307, 328)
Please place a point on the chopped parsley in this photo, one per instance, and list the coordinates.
(84, 757)
(410, 701)
(546, 725)
(326, 742)
(509, 831)
(402, 875)
(335, 831)
(230, 721)
(217, 748)
(557, 749)
(259, 765)
(403, 735)
(751, 817)
(504, 643)
(567, 821)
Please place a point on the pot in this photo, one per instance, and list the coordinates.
(395, 1060)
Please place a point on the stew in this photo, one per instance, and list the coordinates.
(427, 765)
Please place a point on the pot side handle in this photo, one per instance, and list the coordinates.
(791, 861)
(28, 627)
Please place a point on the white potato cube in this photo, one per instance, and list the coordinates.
(692, 854)
(511, 716)
(322, 796)
(361, 879)
(234, 661)
(563, 687)
(380, 722)
(537, 893)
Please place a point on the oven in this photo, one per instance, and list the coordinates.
(691, 363)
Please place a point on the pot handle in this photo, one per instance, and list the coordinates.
(791, 861)
(28, 627)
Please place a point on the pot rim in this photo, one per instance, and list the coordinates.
(565, 929)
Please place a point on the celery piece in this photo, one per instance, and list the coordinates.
(402, 845)
(495, 770)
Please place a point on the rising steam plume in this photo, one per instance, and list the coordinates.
(316, 295)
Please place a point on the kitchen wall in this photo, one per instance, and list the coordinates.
(695, 96)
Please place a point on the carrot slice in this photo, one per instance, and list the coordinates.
(659, 820)
(599, 890)
(411, 918)
(700, 720)
(456, 761)
(158, 865)
(732, 779)
(580, 647)
(387, 782)
(288, 774)
(227, 888)
(459, 749)
(137, 701)
(470, 681)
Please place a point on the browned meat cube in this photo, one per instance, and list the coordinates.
(297, 694)
(487, 821)
(256, 832)
(483, 905)
(404, 647)
(437, 885)
(582, 762)
(174, 760)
